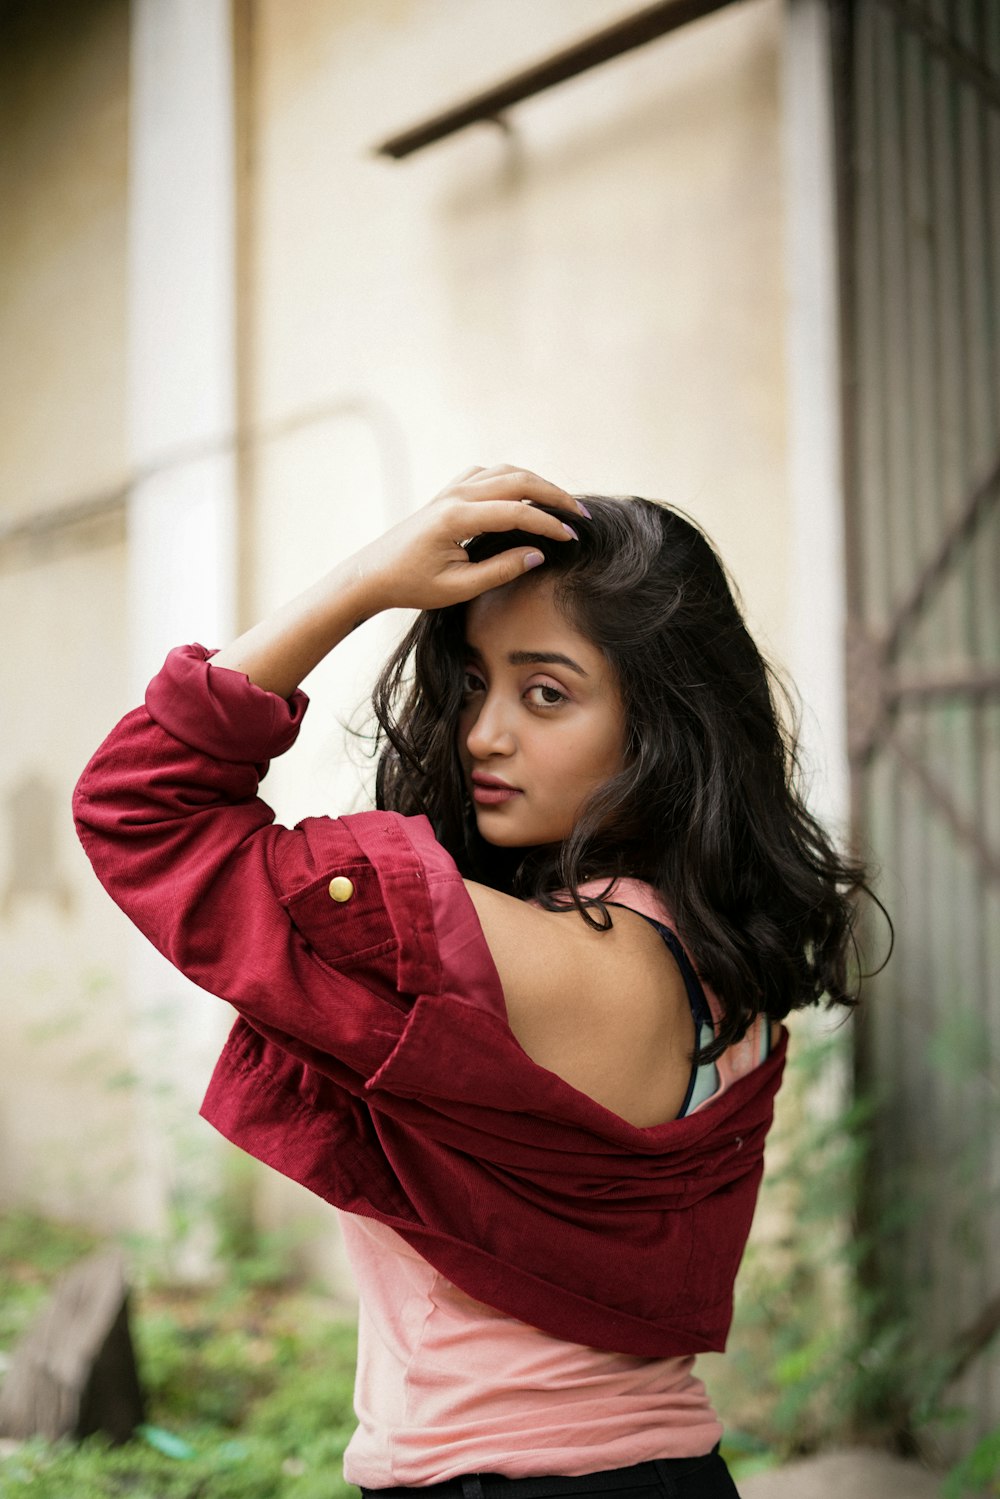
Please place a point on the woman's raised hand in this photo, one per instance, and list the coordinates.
(420, 562)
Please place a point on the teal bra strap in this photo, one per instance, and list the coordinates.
(704, 1080)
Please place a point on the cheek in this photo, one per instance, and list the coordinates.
(609, 746)
(585, 758)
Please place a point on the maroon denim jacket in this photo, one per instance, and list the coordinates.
(372, 1060)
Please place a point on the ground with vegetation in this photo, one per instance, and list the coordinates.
(248, 1387)
(249, 1382)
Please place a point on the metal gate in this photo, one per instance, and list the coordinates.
(917, 89)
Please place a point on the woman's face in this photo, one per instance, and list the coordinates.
(553, 729)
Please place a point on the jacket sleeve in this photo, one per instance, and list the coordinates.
(168, 813)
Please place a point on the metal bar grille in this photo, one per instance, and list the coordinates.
(917, 86)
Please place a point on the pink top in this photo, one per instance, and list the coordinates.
(446, 1385)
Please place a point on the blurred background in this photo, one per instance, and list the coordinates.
(271, 272)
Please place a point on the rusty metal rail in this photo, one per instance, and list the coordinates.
(634, 31)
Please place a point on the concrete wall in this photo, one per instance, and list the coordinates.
(65, 1104)
(598, 294)
(595, 292)
(63, 113)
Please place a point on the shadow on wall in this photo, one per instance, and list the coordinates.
(32, 809)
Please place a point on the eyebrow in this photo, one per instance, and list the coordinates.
(534, 658)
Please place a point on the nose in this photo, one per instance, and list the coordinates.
(489, 733)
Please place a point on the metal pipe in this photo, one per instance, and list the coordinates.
(634, 31)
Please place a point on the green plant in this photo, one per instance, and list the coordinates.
(781, 1388)
(249, 1396)
(33, 1251)
(979, 1472)
(824, 1351)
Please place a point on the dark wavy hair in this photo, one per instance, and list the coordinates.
(706, 807)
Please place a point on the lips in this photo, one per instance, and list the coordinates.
(488, 791)
(481, 779)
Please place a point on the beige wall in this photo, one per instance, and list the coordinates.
(65, 1106)
(597, 294)
(63, 122)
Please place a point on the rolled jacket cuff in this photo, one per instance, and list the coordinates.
(221, 712)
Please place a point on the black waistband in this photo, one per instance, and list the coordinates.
(497, 1486)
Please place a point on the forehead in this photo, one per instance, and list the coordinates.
(522, 616)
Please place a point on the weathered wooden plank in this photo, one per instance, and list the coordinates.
(74, 1371)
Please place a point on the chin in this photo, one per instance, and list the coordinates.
(508, 837)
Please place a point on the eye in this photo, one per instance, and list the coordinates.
(555, 696)
(471, 681)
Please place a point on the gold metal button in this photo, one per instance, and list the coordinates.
(341, 888)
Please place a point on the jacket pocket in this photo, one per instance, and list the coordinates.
(343, 917)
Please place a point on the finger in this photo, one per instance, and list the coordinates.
(520, 484)
(508, 477)
(512, 515)
(464, 475)
(478, 577)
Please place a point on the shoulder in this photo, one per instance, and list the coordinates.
(545, 956)
(596, 1007)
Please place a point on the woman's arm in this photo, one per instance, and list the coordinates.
(418, 564)
(168, 811)
(280, 651)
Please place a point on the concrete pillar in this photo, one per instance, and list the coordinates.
(182, 511)
(817, 591)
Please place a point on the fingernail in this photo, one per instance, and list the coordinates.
(533, 559)
(571, 531)
(583, 510)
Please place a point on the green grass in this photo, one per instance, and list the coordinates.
(248, 1387)
(32, 1254)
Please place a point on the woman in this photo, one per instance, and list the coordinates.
(543, 1123)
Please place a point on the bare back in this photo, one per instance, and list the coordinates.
(607, 1011)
